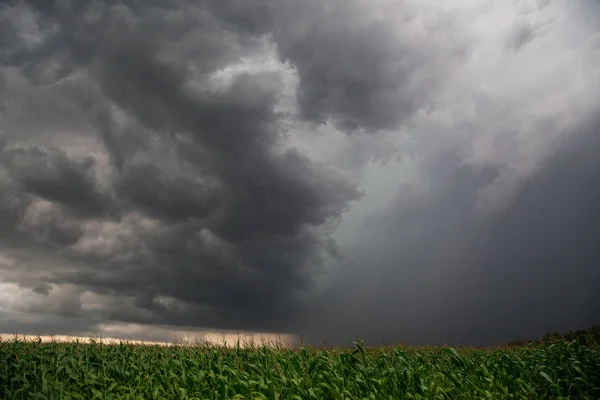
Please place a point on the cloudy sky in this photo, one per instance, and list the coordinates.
(420, 171)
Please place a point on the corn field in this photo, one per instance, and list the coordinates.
(550, 370)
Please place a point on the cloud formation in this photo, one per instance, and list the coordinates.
(165, 186)
(302, 166)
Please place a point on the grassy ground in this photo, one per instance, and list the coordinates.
(555, 367)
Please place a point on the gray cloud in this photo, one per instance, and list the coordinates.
(53, 176)
(361, 68)
(215, 221)
(394, 170)
(433, 270)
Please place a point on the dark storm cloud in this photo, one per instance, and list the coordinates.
(358, 68)
(24, 324)
(225, 225)
(51, 175)
(543, 251)
(440, 272)
(2, 82)
(148, 173)
(252, 16)
(164, 196)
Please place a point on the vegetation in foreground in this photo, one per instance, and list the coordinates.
(555, 367)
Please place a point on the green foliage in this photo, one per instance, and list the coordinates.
(35, 370)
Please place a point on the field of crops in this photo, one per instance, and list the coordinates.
(559, 368)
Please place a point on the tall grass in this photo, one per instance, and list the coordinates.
(36, 370)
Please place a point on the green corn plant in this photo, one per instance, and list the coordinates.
(557, 368)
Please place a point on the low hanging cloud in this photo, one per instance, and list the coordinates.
(167, 188)
(257, 165)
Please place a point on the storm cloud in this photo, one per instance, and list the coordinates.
(403, 171)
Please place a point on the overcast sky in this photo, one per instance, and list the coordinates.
(416, 171)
